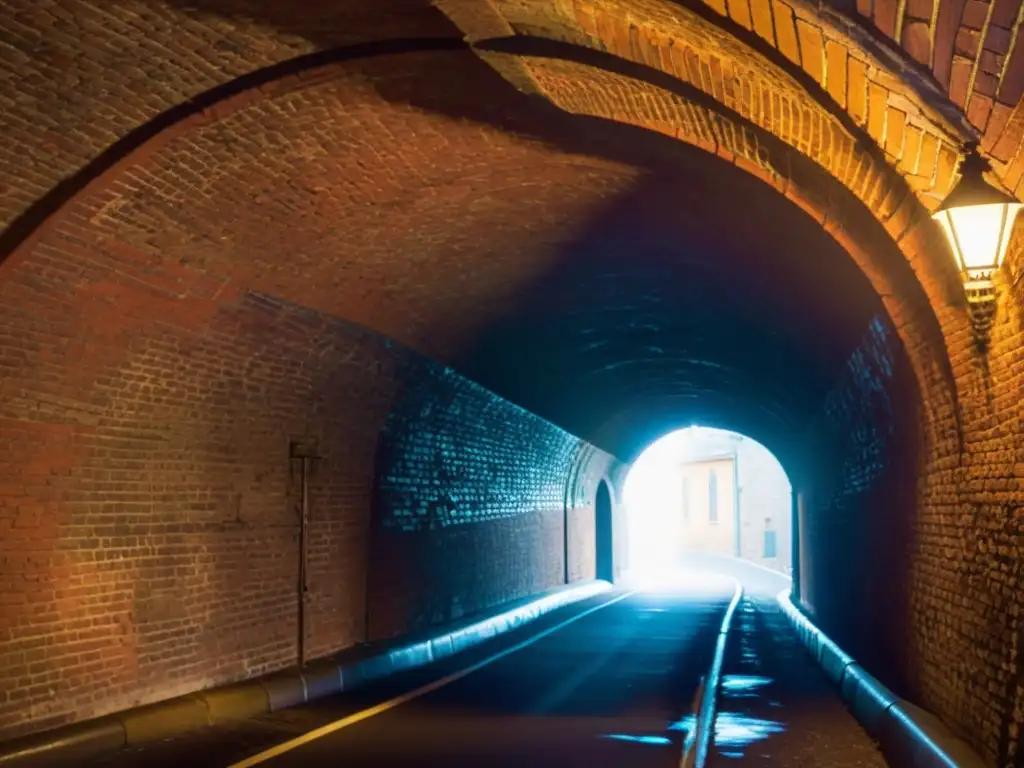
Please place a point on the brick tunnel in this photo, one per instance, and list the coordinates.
(475, 257)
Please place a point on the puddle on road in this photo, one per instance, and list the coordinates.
(657, 741)
(743, 686)
(686, 725)
(735, 730)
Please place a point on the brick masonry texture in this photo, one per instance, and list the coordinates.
(117, 65)
(958, 676)
(473, 495)
(230, 192)
(858, 500)
(148, 507)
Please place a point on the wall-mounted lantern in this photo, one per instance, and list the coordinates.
(978, 221)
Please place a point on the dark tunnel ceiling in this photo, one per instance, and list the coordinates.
(702, 296)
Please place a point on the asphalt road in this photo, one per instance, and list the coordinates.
(607, 681)
(612, 688)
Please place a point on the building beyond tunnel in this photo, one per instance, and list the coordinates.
(471, 258)
(703, 490)
(736, 500)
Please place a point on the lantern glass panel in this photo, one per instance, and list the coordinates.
(979, 234)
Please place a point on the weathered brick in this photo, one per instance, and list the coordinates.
(920, 9)
(857, 91)
(916, 41)
(835, 77)
(895, 120)
(1005, 132)
(979, 109)
(877, 97)
(739, 11)
(785, 31)
(812, 51)
(929, 156)
(764, 26)
(975, 13)
(966, 43)
(960, 75)
(911, 150)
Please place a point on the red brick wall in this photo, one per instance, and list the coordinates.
(912, 540)
(148, 524)
(859, 483)
(971, 580)
(471, 503)
(149, 540)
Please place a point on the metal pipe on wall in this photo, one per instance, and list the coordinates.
(305, 454)
(303, 561)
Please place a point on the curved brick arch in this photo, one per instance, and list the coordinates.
(126, 228)
(909, 173)
(137, 206)
(111, 202)
(761, 53)
(958, 73)
(609, 28)
(76, 100)
(583, 89)
(76, 78)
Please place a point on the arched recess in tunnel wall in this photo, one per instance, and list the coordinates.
(178, 272)
(604, 547)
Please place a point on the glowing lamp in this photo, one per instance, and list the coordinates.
(978, 221)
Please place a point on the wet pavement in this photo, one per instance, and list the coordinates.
(614, 687)
(776, 707)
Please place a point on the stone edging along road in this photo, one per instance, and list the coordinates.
(108, 734)
(908, 736)
(698, 743)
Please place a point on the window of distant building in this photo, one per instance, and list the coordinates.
(686, 498)
(712, 496)
(770, 540)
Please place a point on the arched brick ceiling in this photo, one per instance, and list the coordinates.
(909, 99)
(297, 185)
(369, 189)
(78, 77)
(814, 85)
(872, 197)
(372, 190)
(678, 306)
(971, 47)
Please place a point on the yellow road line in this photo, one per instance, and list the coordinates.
(366, 714)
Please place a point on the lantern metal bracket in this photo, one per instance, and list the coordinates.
(980, 292)
(973, 190)
(981, 305)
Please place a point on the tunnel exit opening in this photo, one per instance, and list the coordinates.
(700, 494)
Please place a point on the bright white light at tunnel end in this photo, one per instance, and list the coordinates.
(652, 497)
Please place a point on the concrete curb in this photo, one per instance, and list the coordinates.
(909, 736)
(72, 744)
(697, 749)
